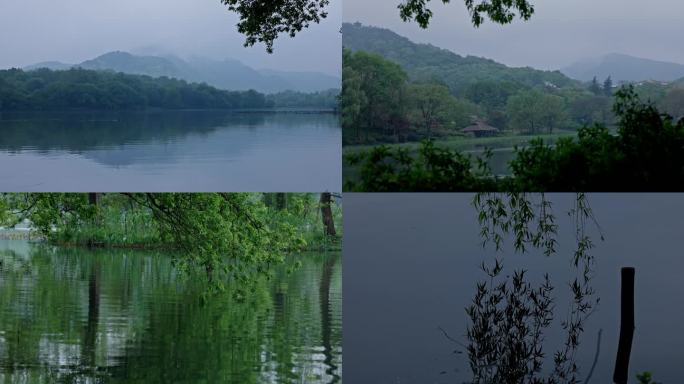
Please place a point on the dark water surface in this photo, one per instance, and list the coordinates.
(170, 151)
(411, 265)
(74, 315)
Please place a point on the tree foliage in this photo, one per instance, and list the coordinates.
(291, 99)
(535, 112)
(432, 107)
(498, 11)
(647, 153)
(380, 104)
(264, 20)
(517, 100)
(673, 102)
(44, 89)
(509, 315)
(428, 63)
(228, 237)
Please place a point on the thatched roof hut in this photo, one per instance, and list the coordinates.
(480, 129)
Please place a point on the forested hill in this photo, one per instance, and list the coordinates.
(223, 74)
(44, 89)
(430, 63)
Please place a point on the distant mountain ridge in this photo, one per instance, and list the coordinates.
(624, 68)
(428, 62)
(224, 74)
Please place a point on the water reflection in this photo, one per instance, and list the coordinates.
(219, 150)
(414, 260)
(76, 315)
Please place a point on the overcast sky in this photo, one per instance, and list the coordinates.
(559, 33)
(72, 31)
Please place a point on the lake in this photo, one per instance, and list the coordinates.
(116, 316)
(413, 260)
(180, 151)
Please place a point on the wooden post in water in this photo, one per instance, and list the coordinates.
(621, 372)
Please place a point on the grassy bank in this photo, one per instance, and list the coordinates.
(462, 143)
(118, 222)
(470, 145)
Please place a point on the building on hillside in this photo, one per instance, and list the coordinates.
(480, 129)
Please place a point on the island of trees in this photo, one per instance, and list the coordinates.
(44, 89)
(76, 88)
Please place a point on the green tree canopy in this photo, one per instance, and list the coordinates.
(498, 11)
(44, 89)
(534, 111)
(673, 102)
(264, 20)
(229, 237)
(374, 93)
(646, 154)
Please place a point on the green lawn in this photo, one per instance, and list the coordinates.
(462, 143)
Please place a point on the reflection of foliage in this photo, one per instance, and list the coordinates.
(152, 328)
(645, 378)
(82, 131)
(508, 318)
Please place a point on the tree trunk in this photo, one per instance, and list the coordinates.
(94, 198)
(326, 213)
(267, 198)
(281, 201)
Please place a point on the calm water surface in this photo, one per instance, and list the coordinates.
(170, 151)
(74, 315)
(413, 262)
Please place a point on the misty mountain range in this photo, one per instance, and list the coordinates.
(426, 61)
(224, 74)
(624, 68)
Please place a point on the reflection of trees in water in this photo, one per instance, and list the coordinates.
(78, 132)
(88, 350)
(125, 317)
(326, 319)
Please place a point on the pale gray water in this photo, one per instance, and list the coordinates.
(411, 264)
(170, 151)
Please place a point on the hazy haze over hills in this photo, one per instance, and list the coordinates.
(72, 31)
(624, 68)
(559, 33)
(224, 74)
